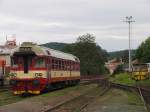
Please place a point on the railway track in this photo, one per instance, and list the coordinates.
(89, 96)
(102, 81)
(6, 96)
(84, 81)
(84, 99)
(79, 102)
(145, 96)
(4, 88)
(144, 93)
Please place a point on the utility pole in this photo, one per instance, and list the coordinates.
(129, 21)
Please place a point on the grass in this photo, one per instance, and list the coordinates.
(123, 78)
(8, 98)
(76, 104)
(124, 97)
(63, 92)
(133, 99)
(144, 82)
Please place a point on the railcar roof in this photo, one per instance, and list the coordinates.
(41, 51)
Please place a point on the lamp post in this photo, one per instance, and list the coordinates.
(129, 21)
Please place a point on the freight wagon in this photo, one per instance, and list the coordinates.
(141, 71)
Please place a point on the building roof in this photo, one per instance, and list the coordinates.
(115, 60)
(136, 61)
(4, 51)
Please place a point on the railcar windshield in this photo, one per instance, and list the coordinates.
(16, 62)
(40, 63)
(22, 62)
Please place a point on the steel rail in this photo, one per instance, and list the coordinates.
(138, 89)
(106, 88)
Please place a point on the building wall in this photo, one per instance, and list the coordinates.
(112, 67)
(6, 58)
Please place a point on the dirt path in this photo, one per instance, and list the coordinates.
(42, 102)
(116, 101)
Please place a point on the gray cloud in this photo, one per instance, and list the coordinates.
(63, 20)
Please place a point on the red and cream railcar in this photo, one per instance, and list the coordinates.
(35, 68)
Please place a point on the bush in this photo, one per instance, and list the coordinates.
(119, 69)
(124, 78)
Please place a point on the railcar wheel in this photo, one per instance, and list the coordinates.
(46, 89)
(70, 82)
(25, 94)
(66, 83)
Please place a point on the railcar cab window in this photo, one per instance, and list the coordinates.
(16, 62)
(40, 63)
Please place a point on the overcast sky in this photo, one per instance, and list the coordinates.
(44, 21)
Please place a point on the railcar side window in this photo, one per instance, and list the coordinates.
(40, 63)
(59, 65)
(71, 65)
(53, 63)
(56, 64)
(68, 65)
(63, 65)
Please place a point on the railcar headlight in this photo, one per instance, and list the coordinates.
(13, 82)
(13, 75)
(36, 82)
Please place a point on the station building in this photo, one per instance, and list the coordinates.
(5, 51)
(112, 65)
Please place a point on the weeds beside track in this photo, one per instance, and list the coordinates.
(78, 103)
(144, 93)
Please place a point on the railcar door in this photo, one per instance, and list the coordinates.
(26, 65)
(49, 64)
(27, 60)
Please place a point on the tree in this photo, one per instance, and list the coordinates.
(143, 51)
(125, 56)
(87, 38)
(91, 56)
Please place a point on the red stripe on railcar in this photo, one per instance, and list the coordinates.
(45, 80)
(27, 83)
(30, 69)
